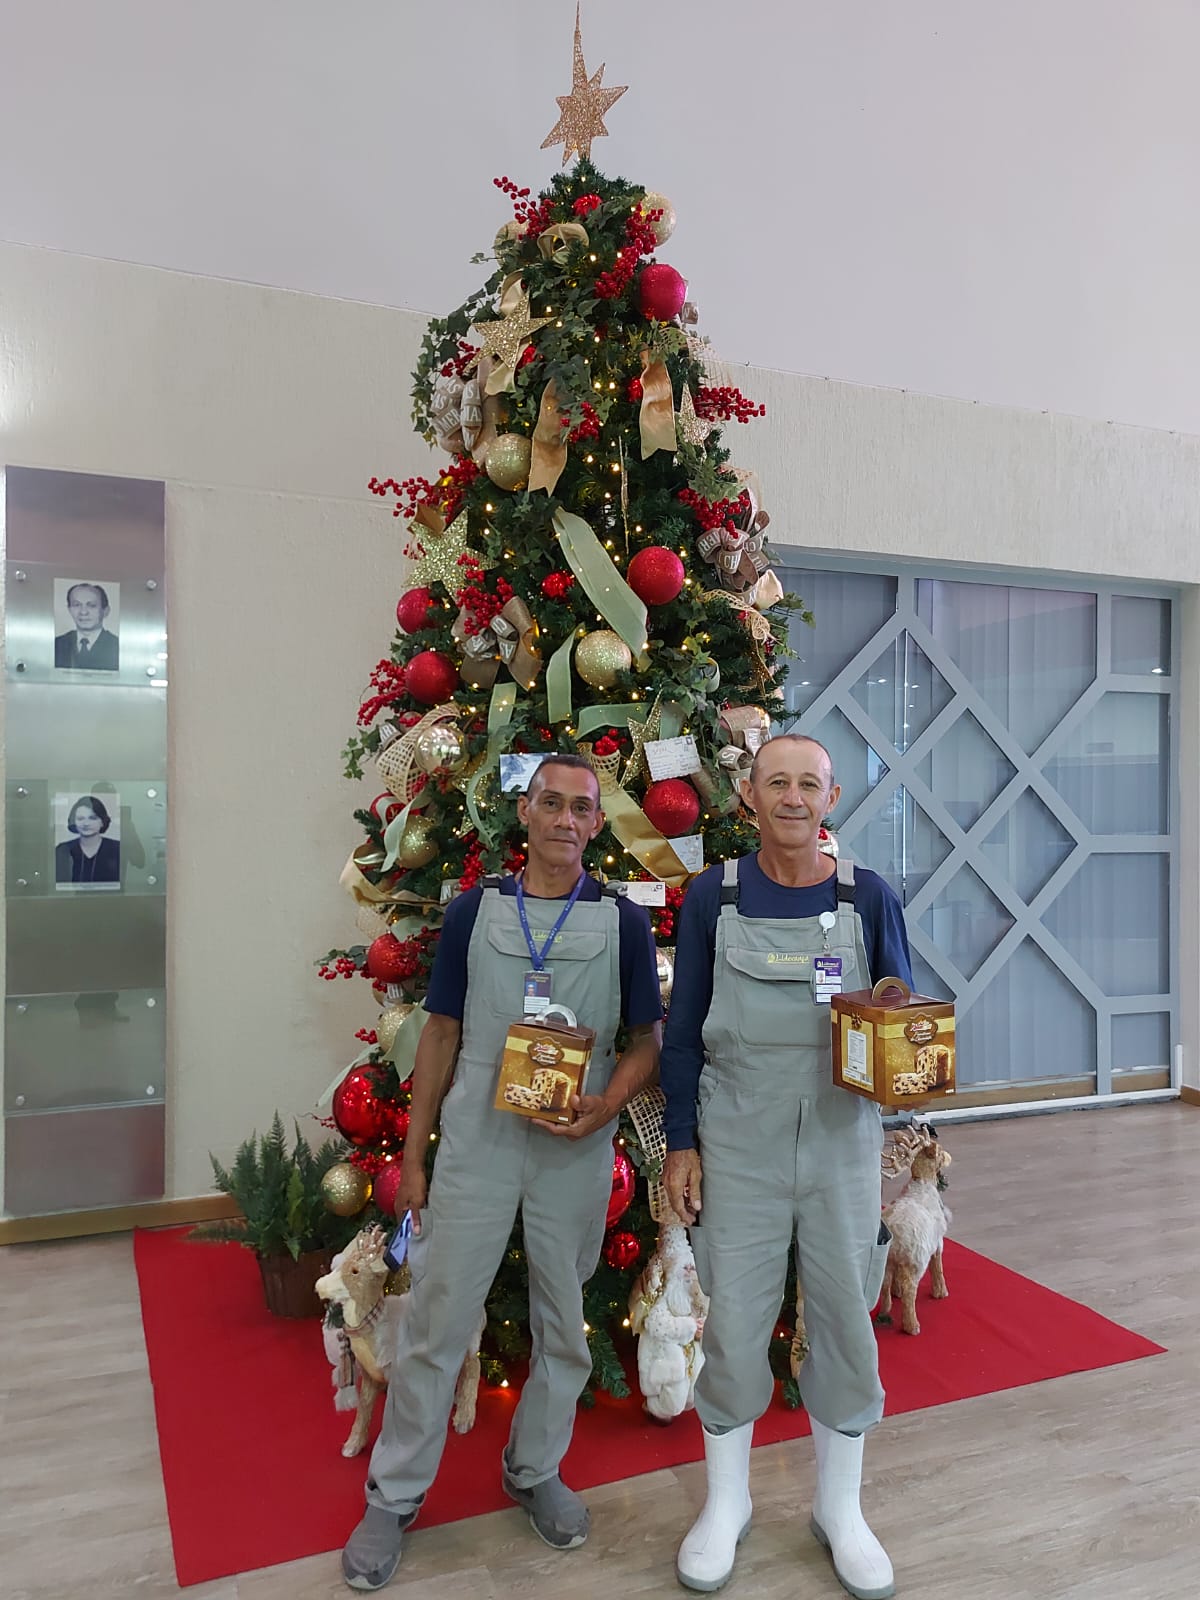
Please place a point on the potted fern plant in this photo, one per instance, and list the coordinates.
(284, 1218)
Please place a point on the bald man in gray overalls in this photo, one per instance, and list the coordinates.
(764, 1150)
(598, 953)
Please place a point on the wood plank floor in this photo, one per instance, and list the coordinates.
(1086, 1488)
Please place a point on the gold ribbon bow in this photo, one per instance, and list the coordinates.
(656, 418)
(509, 640)
(557, 241)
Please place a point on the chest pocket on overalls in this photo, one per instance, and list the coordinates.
(774, 996)
(566, 959)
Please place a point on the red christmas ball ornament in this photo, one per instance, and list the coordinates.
(673, 806)
(413, 610)
(621, 1249)
(385, 959)
(361, 1116)
(633, 391)
(400, 1125)
(387, 1181)
(655, 575)
(661, 292)
(622, 1188)
(430, 677)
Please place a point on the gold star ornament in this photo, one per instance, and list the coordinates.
(441, 549)
(582, 112)
(506, 337)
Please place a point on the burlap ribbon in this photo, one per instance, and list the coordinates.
(509, 640)
(739, 557)
(456, 411)
(549, 443)
(631, 825)
(656, 419)
(600, 580)
(755, 624)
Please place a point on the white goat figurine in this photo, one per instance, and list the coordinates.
(917, 1219)
(361, 1351)
(667, 1308)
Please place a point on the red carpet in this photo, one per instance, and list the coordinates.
(251, 1444)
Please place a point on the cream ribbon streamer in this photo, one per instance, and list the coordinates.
(549, 443)
(500, 710)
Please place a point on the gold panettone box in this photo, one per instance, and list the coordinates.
(893, 1046)
(542, 1067)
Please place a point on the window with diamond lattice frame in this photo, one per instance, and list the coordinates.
(1005, 752)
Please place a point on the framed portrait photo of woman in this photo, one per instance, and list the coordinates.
(87, 841)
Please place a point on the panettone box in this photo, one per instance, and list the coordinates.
(542, 1067)
(893, 1046)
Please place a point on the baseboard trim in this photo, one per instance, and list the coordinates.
(117, 1219)
(1189, 1095)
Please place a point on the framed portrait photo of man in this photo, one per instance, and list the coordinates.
(87, 840)
(87, 615)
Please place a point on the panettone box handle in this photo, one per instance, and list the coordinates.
(884, 984)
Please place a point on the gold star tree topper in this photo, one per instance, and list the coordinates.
(582, 112)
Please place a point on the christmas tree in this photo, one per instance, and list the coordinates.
(589, 574)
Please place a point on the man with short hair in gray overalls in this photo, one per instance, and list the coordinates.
(764, 1149)
(549, 936)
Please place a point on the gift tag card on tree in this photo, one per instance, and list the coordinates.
(672, 758)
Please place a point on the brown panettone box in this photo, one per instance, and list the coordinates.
(893, 1046)
(542, 1067)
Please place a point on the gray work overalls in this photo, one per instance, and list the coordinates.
(490, 1163)
(785, 1155)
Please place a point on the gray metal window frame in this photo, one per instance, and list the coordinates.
(966, 849)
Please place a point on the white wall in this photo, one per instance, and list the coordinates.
(948, 196)
(266, 412)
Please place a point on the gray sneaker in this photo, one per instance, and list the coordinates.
(557, 1514)
(372, 1551)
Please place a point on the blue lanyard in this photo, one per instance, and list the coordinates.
(538, 957)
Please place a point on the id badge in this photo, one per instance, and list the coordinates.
(538, 987)
(397, 1251)
(827, 978)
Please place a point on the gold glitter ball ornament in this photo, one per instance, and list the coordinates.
(600, 656)
(663, 226)
(508, 460)
(441, 750)
(388, 1025)
(345, 1190)
(418, 842)
(666, 975)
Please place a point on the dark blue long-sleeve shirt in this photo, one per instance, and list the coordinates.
(884, 935)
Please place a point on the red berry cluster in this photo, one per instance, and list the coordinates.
(557, 586)
(414, 959)
(664, 926)
(367, 1035)
(723, 403)
(633, 390)
(515, 858)
(343, 967)
(410, 494)
(457, 365)
(606, 745)
(715, 513)
(473, 868)
(642, 242)
(586, 204)
(589, 428)
(527, 355)
(387, 678)
(454, 483)
(480, 606)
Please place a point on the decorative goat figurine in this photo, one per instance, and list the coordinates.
(361, 1350)
(917, 1220)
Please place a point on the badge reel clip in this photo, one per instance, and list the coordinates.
(396, 1253)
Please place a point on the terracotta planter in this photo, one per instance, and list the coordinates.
(289, 1286)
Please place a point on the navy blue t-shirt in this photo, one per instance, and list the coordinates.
(641, 1001)
(884, 935)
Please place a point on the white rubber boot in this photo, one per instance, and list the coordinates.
(705, 1559)
(859, 1560)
